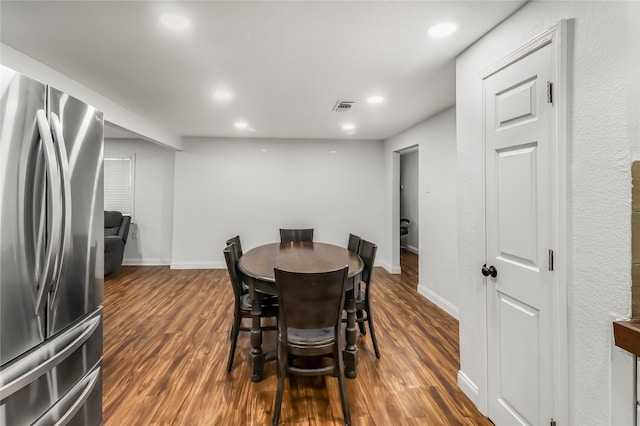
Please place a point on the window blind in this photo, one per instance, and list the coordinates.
(118, 184)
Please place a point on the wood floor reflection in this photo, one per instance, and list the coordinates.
(166, 345)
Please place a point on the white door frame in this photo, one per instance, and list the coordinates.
(395, 267)
(557, 36)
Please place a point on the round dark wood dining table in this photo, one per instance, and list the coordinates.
(257, 269)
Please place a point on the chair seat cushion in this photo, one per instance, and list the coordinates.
(359, 298)
(302, 338)
(245, 302)
(269, 305)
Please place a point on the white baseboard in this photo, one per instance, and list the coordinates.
(468, 387)
(413, 249)
(146, 262)
(438, 300)
(198, 265)
(388, 267)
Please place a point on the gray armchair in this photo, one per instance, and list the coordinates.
(116, 230)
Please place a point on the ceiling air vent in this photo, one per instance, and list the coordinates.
(343, 106)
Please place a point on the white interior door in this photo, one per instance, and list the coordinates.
(520, 145)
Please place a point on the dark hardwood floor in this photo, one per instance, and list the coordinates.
(409, 267)
(166, 345)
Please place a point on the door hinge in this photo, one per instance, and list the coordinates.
(551, 260)
(549, 92)
(552, 422)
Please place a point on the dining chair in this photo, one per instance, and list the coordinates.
(287, 235)
(238, 246)
(242, 304)
(310, 319)
(238, 249)
(367, 252)
(354, 243)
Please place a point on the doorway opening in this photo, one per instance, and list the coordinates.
(409, 223)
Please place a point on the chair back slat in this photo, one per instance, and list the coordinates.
(367, 252)
(230, 255)
(287, 235)
(354, 243)
(311, 300)
(238, 246)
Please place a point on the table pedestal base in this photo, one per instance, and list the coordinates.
(257, 356)
(351, 351)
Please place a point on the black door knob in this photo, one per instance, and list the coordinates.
(491, 270)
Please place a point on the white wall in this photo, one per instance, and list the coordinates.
(634, 81)
(436, 138)
(113, 112)
(598, 196)
(225, 187)
(409, 198)
(153, 204)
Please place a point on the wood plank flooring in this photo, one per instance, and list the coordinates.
(166, 346)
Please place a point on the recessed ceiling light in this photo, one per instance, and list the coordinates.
(442, 30)
(348, 126)
(264, 150)
(222, 95)
(174, 21)
(376, 99)
(332, 152)
(241, 124)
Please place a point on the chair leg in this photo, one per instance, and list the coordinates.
(282, 372)
(343, 389)
(235, 330)
(373, 330)
(360, 321)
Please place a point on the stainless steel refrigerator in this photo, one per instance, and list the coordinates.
(51, 257)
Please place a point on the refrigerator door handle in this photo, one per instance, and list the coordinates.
(55, 195)
(63, 161)
(84, 389)
(38, 362)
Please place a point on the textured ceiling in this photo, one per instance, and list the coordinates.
(287, 63)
